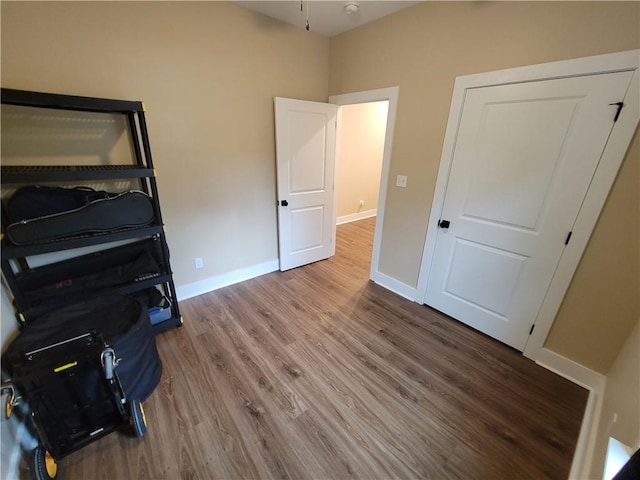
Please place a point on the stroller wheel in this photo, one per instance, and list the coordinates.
(43, 466)
(138, 419)
(11, 400)
(8, 405)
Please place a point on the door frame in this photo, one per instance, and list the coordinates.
(597, 193)
(391, 94)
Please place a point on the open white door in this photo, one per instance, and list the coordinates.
(305, 159)
(524, 157)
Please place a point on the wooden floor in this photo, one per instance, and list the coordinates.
(317, 373)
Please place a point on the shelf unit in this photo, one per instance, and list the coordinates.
(17, 260)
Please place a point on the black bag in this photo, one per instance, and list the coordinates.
(124, 324)
(100, 215)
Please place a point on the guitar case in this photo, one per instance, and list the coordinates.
(44, 214)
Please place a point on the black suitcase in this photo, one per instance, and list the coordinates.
(41, 214)
(83, 371)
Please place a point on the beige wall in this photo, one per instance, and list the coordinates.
(422, 50)
(208, 73)
(360, 157)
(603, 302)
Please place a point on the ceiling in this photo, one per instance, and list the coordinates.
(327, 18)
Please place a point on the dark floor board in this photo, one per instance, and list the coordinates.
(318, 373)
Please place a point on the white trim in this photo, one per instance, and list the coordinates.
(391, 94)
(597, 64)
(213, 283)
(567, 368)
(583, 455)
(402, 289)
(595, 383)
(604, 176)
(336, 166)
(354, 217)
(601, 184)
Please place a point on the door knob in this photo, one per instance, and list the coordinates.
(444, 223)
(284, 203)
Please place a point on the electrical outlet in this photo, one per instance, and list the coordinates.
(401, 181)
(199, 262)
(361, 203)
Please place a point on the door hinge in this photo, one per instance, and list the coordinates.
(566, 242)
(620, 105)
(532, 327)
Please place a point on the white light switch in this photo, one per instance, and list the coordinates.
(401, 181)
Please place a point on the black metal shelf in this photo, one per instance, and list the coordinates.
(36, 309)
(10, 251)
(68, 102)
(71, 173)
(16, 258)
(168, 324)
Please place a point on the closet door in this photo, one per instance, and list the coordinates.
(524, 157)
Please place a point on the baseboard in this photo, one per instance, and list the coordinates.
(395, 286)
(583, 455)
(595, 383)
(213, 283)
(570, 370)
(354, 217)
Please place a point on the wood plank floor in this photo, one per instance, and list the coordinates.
(318, 373)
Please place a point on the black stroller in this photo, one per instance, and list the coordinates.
(83, 371)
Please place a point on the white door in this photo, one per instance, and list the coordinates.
(523, 159)
(305, 159)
